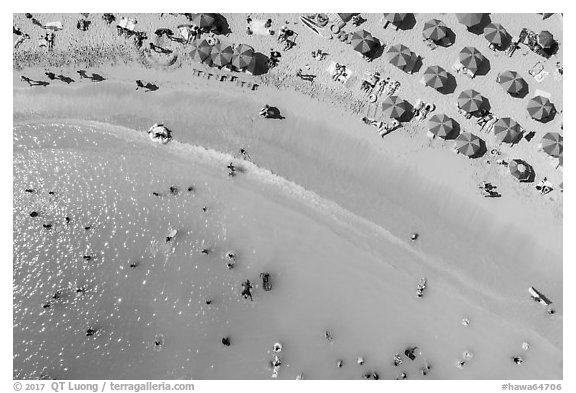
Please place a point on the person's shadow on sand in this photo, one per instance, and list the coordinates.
(94, 77)
(148, 86)
(65, 79)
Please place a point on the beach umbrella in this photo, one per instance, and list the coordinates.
(507, 130)
(470, 20)
(467, 144)
(540, 108)
(394, 107)
(363, 42)
(399, 55)
(519, 169)
(396, 19)
(496, 34)
(202, 20)
(471, 58)
(441, 125)
(511, 82)
(221, 54)
(545, 39)
(435, 77)
(470, 100)
(201, 50)
(553, 144)
(434, 30)
(243, 55)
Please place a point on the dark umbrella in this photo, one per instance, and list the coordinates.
(470, 20)
(545, 39)
(201, 50)
(507, 130)
(363, 42)
(471, 58)
(399, 55)
(467, 144)
(396, 19)
(553, 144)
(511, 82)
(435, 77)
(540, 108)
(394, 107)
(519, 169)
(441, 125)
(202, 20)
(243, 55)
(496, 34)
(221, 54)
(434, 30)
(470, 100)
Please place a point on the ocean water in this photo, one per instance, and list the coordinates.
(331, 270)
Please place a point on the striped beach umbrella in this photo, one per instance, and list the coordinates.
(540, 108)
(496, 34)
(512, 82)
(201, 50)
(399, 55)
(470, 20)
(441, 125)
(553, 144)
(396, 19)
(471, 58)
(363, 42)
(436, 77)
(519, 169)
(221, 54)
(243, 55)
(394, 107)
(507, 130)
(434, 30)
(467, 144)
(545, 39)
(202, 20)
(470, 100)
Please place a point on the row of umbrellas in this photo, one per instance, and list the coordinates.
(221, 54)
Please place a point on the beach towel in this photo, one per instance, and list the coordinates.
(53, 26)
(257, 26)
(344, 77)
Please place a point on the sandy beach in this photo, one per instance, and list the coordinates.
(327, 205)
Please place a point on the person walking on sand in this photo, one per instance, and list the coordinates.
(245, 154)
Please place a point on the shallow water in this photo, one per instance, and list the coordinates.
(330, 270)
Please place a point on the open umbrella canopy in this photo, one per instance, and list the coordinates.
(221, 54)
(201, 50)
(243, 55)
(394, 107)
(470, 100)
(507, 130)
(435, 77)
(512, 82)
(467, 144)
(202, 20)
(399, 55)
(540, 108)
(545, 39)
(471, 58)
(441, 125)
(363, 42)
(553, 144)
(519, 169)
(434, 30)
(470, 20)
(396, 19)
(496, 34)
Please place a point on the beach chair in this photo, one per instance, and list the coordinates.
(255, 86)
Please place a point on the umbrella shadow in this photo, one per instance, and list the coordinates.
(450, 85)
(417, 65)
(409, 114)
(65, 79)
(378, 51)
(483, 68)
(449, 40)
(456, 130)
(482, 150)
(261, 64)
(479, 28)
(408, 23)
(221, 25)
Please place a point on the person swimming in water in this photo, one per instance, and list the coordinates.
(414, 237)
(247, 290)
(231, 259)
